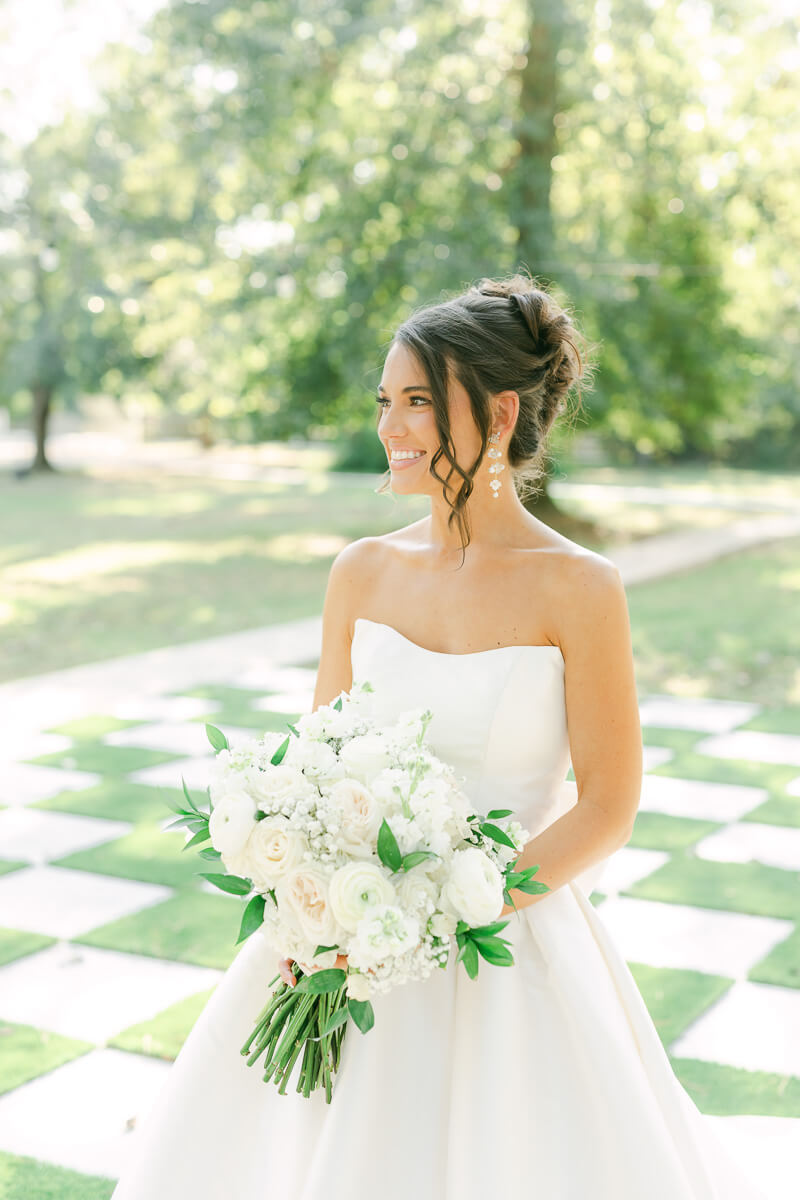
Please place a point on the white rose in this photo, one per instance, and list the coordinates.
(475, 887)
(443, 924)
(384, 932)
(359, 815)
(355, 890)
(272, 788)
(306, 892)
(365, 756)
(358, 986)
(272, 850)
(417, 892)
(231, 822)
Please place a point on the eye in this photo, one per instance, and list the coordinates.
(381, 400)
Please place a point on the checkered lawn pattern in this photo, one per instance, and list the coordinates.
(110, 944)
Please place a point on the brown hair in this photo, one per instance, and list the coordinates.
(500, 334)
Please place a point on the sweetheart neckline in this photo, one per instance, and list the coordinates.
(457, 653)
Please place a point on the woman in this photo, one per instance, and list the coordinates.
(548, 1077)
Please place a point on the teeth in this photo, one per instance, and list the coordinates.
(396, 454)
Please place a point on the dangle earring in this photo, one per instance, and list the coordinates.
(496, 467)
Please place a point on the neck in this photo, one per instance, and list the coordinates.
(492, 522)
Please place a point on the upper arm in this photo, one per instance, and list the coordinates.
(344, 588)
(605, 735)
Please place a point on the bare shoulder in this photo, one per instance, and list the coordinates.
(591, 598)
(350, 578)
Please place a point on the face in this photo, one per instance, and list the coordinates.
(407, 423)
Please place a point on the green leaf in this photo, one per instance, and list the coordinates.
(190, 801)
(207, 852)
(496, 834)
(494, 952)
(415, 858)
(234, 884)
(497, 813)
(216, 737)
(293, 729)
(489, 930)
(534, 888)
(337, 704)
(388, 849)
(362, 1013)
(324, 950)
(279, 753)
(334, 1021)
(462, 927)
(184, 822)
(469, 956)
(321, 981)
(202, 835)
(252, 917)
(176, 808)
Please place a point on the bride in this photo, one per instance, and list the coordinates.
(548, 1077)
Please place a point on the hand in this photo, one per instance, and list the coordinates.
(285, 968)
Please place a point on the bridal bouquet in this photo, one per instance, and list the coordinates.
(351, 838)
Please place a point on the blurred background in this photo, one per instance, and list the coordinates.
(216, 213)
(213, 215)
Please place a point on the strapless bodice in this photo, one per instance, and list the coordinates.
(499, 715)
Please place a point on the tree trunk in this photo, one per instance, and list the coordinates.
(42, 399)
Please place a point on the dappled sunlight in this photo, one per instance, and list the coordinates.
(297, 547)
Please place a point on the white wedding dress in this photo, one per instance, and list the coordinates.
(547, 1078)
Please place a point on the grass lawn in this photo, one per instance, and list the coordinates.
(93, 566)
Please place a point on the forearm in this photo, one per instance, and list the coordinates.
(581, 837)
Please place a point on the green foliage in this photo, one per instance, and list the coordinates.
(235, 232)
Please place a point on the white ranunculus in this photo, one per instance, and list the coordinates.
(358, 986)
(359, 817)
(272, 850)
(475, 887)
(417, 892)
(231, 822)
(272, 788)
(365, 756)
(306, 891)
(355, 890)
(383, 933)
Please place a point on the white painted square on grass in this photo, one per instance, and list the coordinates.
(77, 1116)
(627, 866)
(699, 798)
(180, 737)
(91, 993)
(767, 1148)
(66, 903)
(704, 715)
(277, 679)
(37, 836)
(753, 745)
(749, 841)
(298, 702)
(753, 1026)
(195, 771)
(161, 708)
(21, 743)
(698, 939)
(27, 783)
(655, 756)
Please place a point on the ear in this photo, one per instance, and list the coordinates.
(505, 408)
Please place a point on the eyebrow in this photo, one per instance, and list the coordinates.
(416, 387)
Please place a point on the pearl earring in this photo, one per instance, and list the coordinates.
(496, 467)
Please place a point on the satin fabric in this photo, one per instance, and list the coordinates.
(546, 1078)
